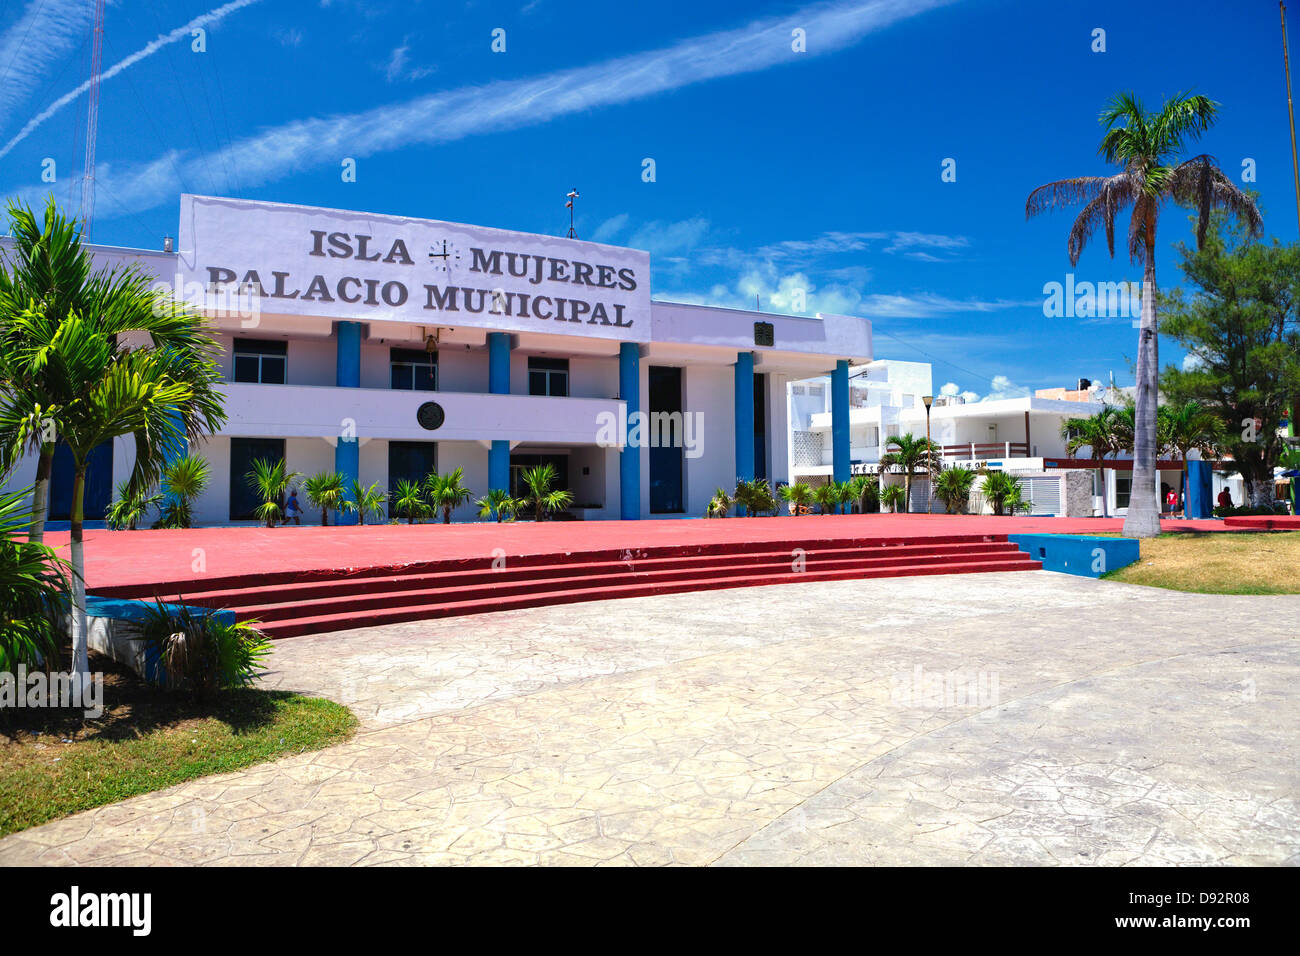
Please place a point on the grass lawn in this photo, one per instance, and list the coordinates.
(1218, 563)
(56, 762)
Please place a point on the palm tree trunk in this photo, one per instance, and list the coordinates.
(907, 491)
(41, 495)
(1143, 519)
(80, 652)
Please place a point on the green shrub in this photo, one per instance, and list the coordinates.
(199, 653)
(33, 591)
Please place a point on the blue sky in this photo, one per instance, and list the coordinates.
(774, 170)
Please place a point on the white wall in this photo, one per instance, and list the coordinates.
(710, 389)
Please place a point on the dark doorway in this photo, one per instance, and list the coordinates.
(760, 426)
(518, 463)
(411, 461)
(99, 483)
(244, 501)
(666, 460)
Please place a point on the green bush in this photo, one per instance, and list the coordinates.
(199, 653)
(953, 487)
(33, 591)
(893, 496)
(1249, 510)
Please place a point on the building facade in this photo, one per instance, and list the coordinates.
(383, 348)
(1020, 435)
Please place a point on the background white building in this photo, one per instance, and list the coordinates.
(1019, 435)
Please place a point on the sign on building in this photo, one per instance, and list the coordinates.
(304, 260)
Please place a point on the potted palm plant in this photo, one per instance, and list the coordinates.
(268, 479)
(124, 514)
(366, 499)
(409, 501)
(797, 496)
(720, 504)
(892, 497)
(497, 504)
(446, 492)
(953, 487)
(185, 478)
(541, 497)
(325, 491)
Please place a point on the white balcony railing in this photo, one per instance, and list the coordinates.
(307, 411)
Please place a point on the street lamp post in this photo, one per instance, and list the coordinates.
(929, 465)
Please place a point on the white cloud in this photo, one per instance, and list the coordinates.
(1192, 361)
(951, 389)
(180, 33)
(660, 238)
(901, 306)
(610, 228)
(511, 104)
(41, 35)
(399, 65)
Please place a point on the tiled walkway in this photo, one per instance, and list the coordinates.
(1070, 721)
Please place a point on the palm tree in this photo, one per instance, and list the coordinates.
(268, 479)
(185, 478)
(325, 491)
(913, 452)
(1187, 427)
(496, 504)
(893, 497)
(827, 497)
(447, 492)
(47, 278)
(366, 499)
(541, 498)
(798, 495)
(408, 500)
(33, 591)
(865, 493)
(1102, 434)
(1003, 491)
(103, 392)
(755, 496)
(125, 513)
(720, 504)
(953, 487)
(1146, 148)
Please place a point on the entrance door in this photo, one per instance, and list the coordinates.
(243, 452)
(666, 460)
(99, 483)
(410, 460)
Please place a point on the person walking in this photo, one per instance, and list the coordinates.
(292, 512)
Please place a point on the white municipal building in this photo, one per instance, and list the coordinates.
(384, 348)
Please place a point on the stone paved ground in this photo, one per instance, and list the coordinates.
(1081, 722)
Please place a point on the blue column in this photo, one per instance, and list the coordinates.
(347, 452)
(499, 384)
(1199, 498)
(744, 389)
(629, 459)
(840, 421)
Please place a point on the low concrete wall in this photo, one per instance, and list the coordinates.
(114, 629)
(1078, 554)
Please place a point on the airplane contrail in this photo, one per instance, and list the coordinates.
(165, 39)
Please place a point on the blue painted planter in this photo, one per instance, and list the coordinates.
(1078, 554)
